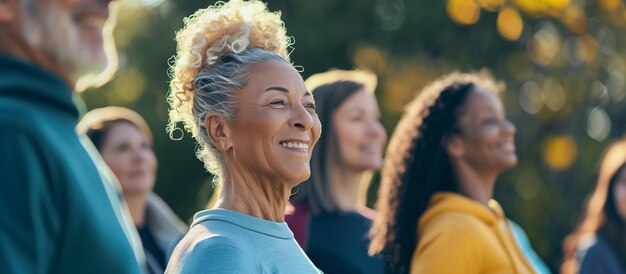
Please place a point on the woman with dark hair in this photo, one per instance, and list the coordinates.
(435, 209)
(599, 243)
(124, 140)
(326, 216)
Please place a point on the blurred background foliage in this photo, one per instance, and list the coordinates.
(564, 62)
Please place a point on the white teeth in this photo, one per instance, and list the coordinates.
(295, 145)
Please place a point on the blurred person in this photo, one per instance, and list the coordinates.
(435, 209)
(255, 122)
(326, 218)
(60, 213)
(125, 141)
(598, 245)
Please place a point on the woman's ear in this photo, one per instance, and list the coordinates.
(454, 146)
(218, 130)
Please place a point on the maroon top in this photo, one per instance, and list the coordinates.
(297, 217)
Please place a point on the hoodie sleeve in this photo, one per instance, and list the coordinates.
(447, 247)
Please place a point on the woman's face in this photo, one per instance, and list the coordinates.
(360, 136)
(276, 126)
(486, 135)
(127, 152)
(619, 193)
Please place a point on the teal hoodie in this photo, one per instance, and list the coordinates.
(55, 213)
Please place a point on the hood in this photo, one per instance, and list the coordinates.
(449, 202)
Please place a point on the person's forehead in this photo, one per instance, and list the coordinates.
(482, 96)
(275, 72)
(360, 100)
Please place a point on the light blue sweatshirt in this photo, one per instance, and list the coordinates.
(522, 241)
(225, 241)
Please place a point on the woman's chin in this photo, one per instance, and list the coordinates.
(298, 179)
(509, 163)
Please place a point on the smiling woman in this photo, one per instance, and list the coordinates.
(124, 140)
(436, 212)
(325, 208)
(254, 119)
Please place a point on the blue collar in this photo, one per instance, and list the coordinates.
(270, 228)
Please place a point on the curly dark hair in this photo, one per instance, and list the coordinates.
(417, 165)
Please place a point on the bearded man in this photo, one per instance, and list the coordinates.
(58, 213)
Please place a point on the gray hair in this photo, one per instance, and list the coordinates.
(214, 89)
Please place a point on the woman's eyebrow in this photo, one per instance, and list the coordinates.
(284, 90)
(281, 89)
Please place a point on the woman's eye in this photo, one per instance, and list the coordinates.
(278, 103)
(122, 148)
(356, 118)
(490, 121)
(310, 106)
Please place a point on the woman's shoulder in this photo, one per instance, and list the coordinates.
(455, 221)
(215, 250)
(452, 211)
(213, 234)
(590, 245)
(597, 256)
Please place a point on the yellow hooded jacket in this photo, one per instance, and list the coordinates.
(459, 235)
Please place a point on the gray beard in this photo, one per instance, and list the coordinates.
(53, 31)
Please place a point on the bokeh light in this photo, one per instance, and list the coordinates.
(510, 24)
(530, 97)
(464, 12)
(370, 58)
(574, 18)
(491, 5)
(559, 152)
(598, 124)
(542, 7)
(610, 5)
(545, 43)
(553, 94)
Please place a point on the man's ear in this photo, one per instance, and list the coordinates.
(454, 147)
(218, 130)
(9, 10)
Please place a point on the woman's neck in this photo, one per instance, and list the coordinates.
(345, 187)
(257, 196)
(474, 184)
(137, 207)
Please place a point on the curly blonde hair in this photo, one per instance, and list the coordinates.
(216, 48)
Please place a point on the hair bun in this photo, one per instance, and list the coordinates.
(209, 34)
